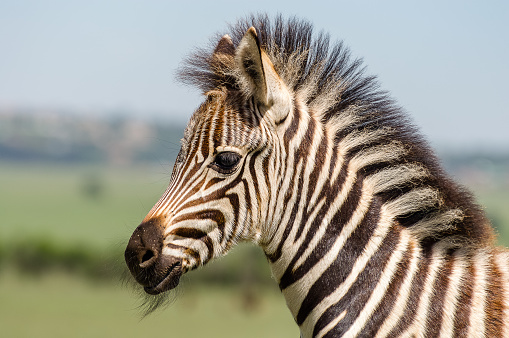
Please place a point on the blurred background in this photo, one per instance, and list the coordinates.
(90, 122)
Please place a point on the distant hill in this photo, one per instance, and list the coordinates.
(57, 137)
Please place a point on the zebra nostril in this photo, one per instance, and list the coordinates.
(144, 249)
(148, 258)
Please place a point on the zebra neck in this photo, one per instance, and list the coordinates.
(334, 280)
(335, 241)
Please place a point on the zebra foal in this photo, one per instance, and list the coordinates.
(296, 150)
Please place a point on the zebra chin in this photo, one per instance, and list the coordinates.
(169, 280)
(152, 269)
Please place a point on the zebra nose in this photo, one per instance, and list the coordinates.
(143, 250)
(143, 255)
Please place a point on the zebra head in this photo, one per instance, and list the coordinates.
(219, 189)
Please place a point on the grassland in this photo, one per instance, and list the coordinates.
(60, 305)
(60, 201)
(96, 209)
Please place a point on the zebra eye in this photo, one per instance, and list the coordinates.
(226, 161)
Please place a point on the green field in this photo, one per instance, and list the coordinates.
(59, 305)
(84, 215)
(61, 203)
(91, 212)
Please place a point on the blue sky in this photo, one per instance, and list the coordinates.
(446, 63)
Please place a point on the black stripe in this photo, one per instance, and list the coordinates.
(413, 299)
(386, 305)
(437, 298)
(209, 214)
(198, 235)
(464, 304)
(339, 270)
(187, 251)
(358, 295)
(340, 218)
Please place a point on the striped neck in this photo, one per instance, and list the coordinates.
(334, 239)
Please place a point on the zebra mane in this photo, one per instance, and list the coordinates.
(308, 63)
(324, 77)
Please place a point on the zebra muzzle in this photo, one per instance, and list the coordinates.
(153, 270)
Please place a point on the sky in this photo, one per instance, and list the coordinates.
(445, 62)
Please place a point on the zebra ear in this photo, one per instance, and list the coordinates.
(260, 79)
(223, 56)
(225, 46)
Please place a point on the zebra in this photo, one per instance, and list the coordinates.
(296, 149)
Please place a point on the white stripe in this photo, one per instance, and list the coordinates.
(477, 308)
(324, 177)
(456, 280)
(380, 290)
(418, 327)
(357, 216)
(331, 325)
(177, 193)
(502, 261)
(286, 211)
(359, 265)
(298, 290)
(404, 293)
(392, 177)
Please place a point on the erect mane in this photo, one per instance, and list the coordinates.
(324, 77)
(308, 63)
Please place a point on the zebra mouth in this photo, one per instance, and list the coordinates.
(169, 281)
